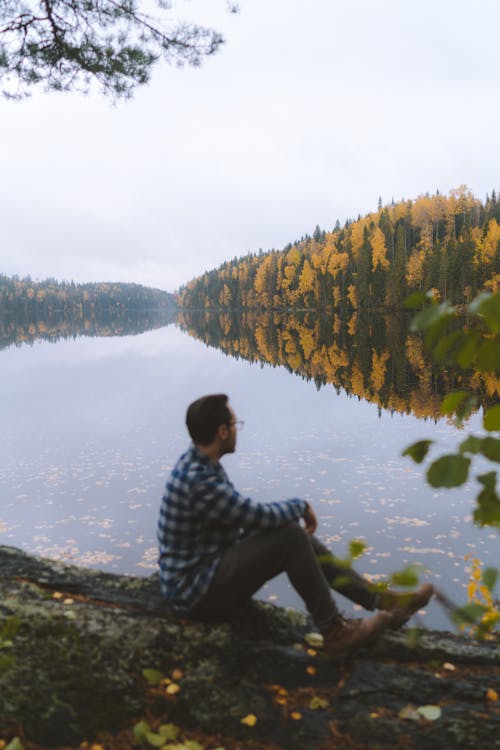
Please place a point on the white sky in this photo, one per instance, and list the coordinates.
(309, 112)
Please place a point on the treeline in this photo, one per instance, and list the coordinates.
(50, 296)
(374, 357)
(450, 244)
(51, 310)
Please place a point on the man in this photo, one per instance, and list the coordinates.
(217, 547)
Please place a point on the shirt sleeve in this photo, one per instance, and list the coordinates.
(216, 501)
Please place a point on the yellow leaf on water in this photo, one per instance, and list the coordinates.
(491, 695)
(250, 720)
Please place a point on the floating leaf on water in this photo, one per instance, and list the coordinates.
(431, 713)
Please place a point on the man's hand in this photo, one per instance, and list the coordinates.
(310, 520)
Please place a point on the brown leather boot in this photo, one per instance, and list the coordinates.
(347, 636)
(403, 605)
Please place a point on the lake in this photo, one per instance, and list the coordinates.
(91, 426)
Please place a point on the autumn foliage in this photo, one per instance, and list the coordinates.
(447, 243)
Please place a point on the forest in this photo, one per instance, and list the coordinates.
(448, 244)
(50, 310)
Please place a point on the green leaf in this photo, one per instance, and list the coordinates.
(476, 306)
(466, 354)
(471, 444)
(431, 316)
(491, 419)
(15, 744)
(356, 548)
(406, 578)
(447, 346)
(140, 731)
(452, 402)
(169, 731)
(418, 451)
(490, 447)
(415, 300)
(490, 578)
(449, 471)
(153, 676)
(192, 745)
(488, 306)
(154, 739)
(488, 357)
(471, 614)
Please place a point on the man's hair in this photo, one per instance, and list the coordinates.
(205, 415)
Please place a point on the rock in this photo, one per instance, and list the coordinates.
(83, 638)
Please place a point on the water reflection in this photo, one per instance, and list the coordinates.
(375, 358)
(92, 426)
(26, 327)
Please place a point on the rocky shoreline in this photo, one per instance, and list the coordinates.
(75, 642)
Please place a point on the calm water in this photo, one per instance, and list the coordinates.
(92, 426)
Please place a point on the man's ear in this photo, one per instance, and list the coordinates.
(222, 431)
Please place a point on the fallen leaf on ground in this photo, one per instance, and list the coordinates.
(250, 720)
(431, 713)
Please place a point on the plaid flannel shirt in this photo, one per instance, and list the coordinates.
(201, 515)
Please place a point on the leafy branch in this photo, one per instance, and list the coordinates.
(65, 44)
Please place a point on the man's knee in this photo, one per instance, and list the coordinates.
(294, 534)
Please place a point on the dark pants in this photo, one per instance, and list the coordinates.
(309, 565)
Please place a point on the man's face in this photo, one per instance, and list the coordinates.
(230, 434)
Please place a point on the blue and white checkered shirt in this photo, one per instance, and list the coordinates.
(201, 515)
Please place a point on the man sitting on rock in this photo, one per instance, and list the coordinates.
(217, 547)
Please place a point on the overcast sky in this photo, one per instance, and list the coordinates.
(309, 112)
